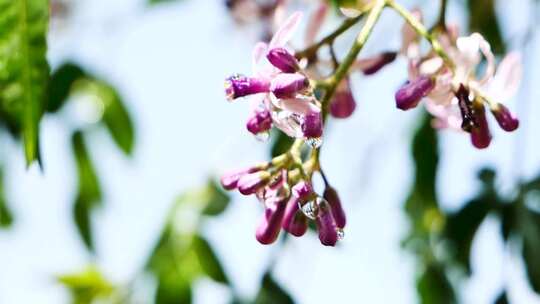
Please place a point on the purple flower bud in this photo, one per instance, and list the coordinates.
(338, 213)
(283, 60)
(466, 108)
(288, 85)
(269, 228)
(410, 94)
(260, 121)
(294, 221)
(229, 180)
(505, 118)
(379, 62)
(251, 183)
(239, 86)
(302, 190)
(343, 103)
(480, 134)
(326, 226)
(312, 126)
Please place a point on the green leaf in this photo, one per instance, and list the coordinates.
(24, 71)
(89, 191)
(217, 201)
(209, 262)
(62, 80)
(434, 287)
(530, 229)
(281, 143)
(271, 292)
(462, 226)
(115, 115)
(87, 286)
(171, 290)
(483, 19)
(6, 219)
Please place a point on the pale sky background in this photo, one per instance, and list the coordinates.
(169, 64)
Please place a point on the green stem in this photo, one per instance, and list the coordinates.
(310, 51)
(422, 31)
(359, 43)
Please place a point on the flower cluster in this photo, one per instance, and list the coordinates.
(289, 201)
(281, 93)
(449, 86)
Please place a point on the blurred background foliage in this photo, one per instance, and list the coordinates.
(441, 241)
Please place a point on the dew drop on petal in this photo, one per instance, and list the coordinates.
(263, 136)
(310, 209)
(340, 234)
(314, 142)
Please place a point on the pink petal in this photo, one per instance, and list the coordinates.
(285, 32)
(301, 106)
(315, 23)
(408, 34)
(507, 78)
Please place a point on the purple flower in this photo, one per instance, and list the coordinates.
(260, 121)
(410, 94)
(269, 228)
(288, 85)
(294, 220)
(326, 225)
(343, 103)
(252, 182)
(239, 86)
(505, 118)
(283, 60)
(229, 180)
(312, 126)
(338, 213)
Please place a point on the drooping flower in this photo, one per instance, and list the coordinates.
(280, 87)
(343, 103)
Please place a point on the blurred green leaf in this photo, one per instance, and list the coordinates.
(218, 199)
(530, 227)
(6, 219)
(434, 287)
(281, 143)
(173, 290)
(462, 226)
(24, 71)
(208, 260)
(422, 205)
(62, 79)
(483, 19)
(89, 192)
(115, 115)
(502, 298)
(271, 292)
(87, 286)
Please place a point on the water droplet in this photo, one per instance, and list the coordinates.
(263, 136)
(310, 209)
(314, 142)
(340, 234)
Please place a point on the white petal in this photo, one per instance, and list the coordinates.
(350, 12)
(301, 106)
(315, 23)
(285, 32)
(258, 52)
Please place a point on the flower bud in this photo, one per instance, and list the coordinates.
(288, 85)
(294, 221)
(260, 121)
(507, 121)
(343, 103)
(251, 183)
(466, 109)
(326, 226)
(330, 194)
(229, 180)
(373, 65)
(283, 60)
(239, 86)
(269, 228)
(480, 134)
(410, 94)
(312, 126)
